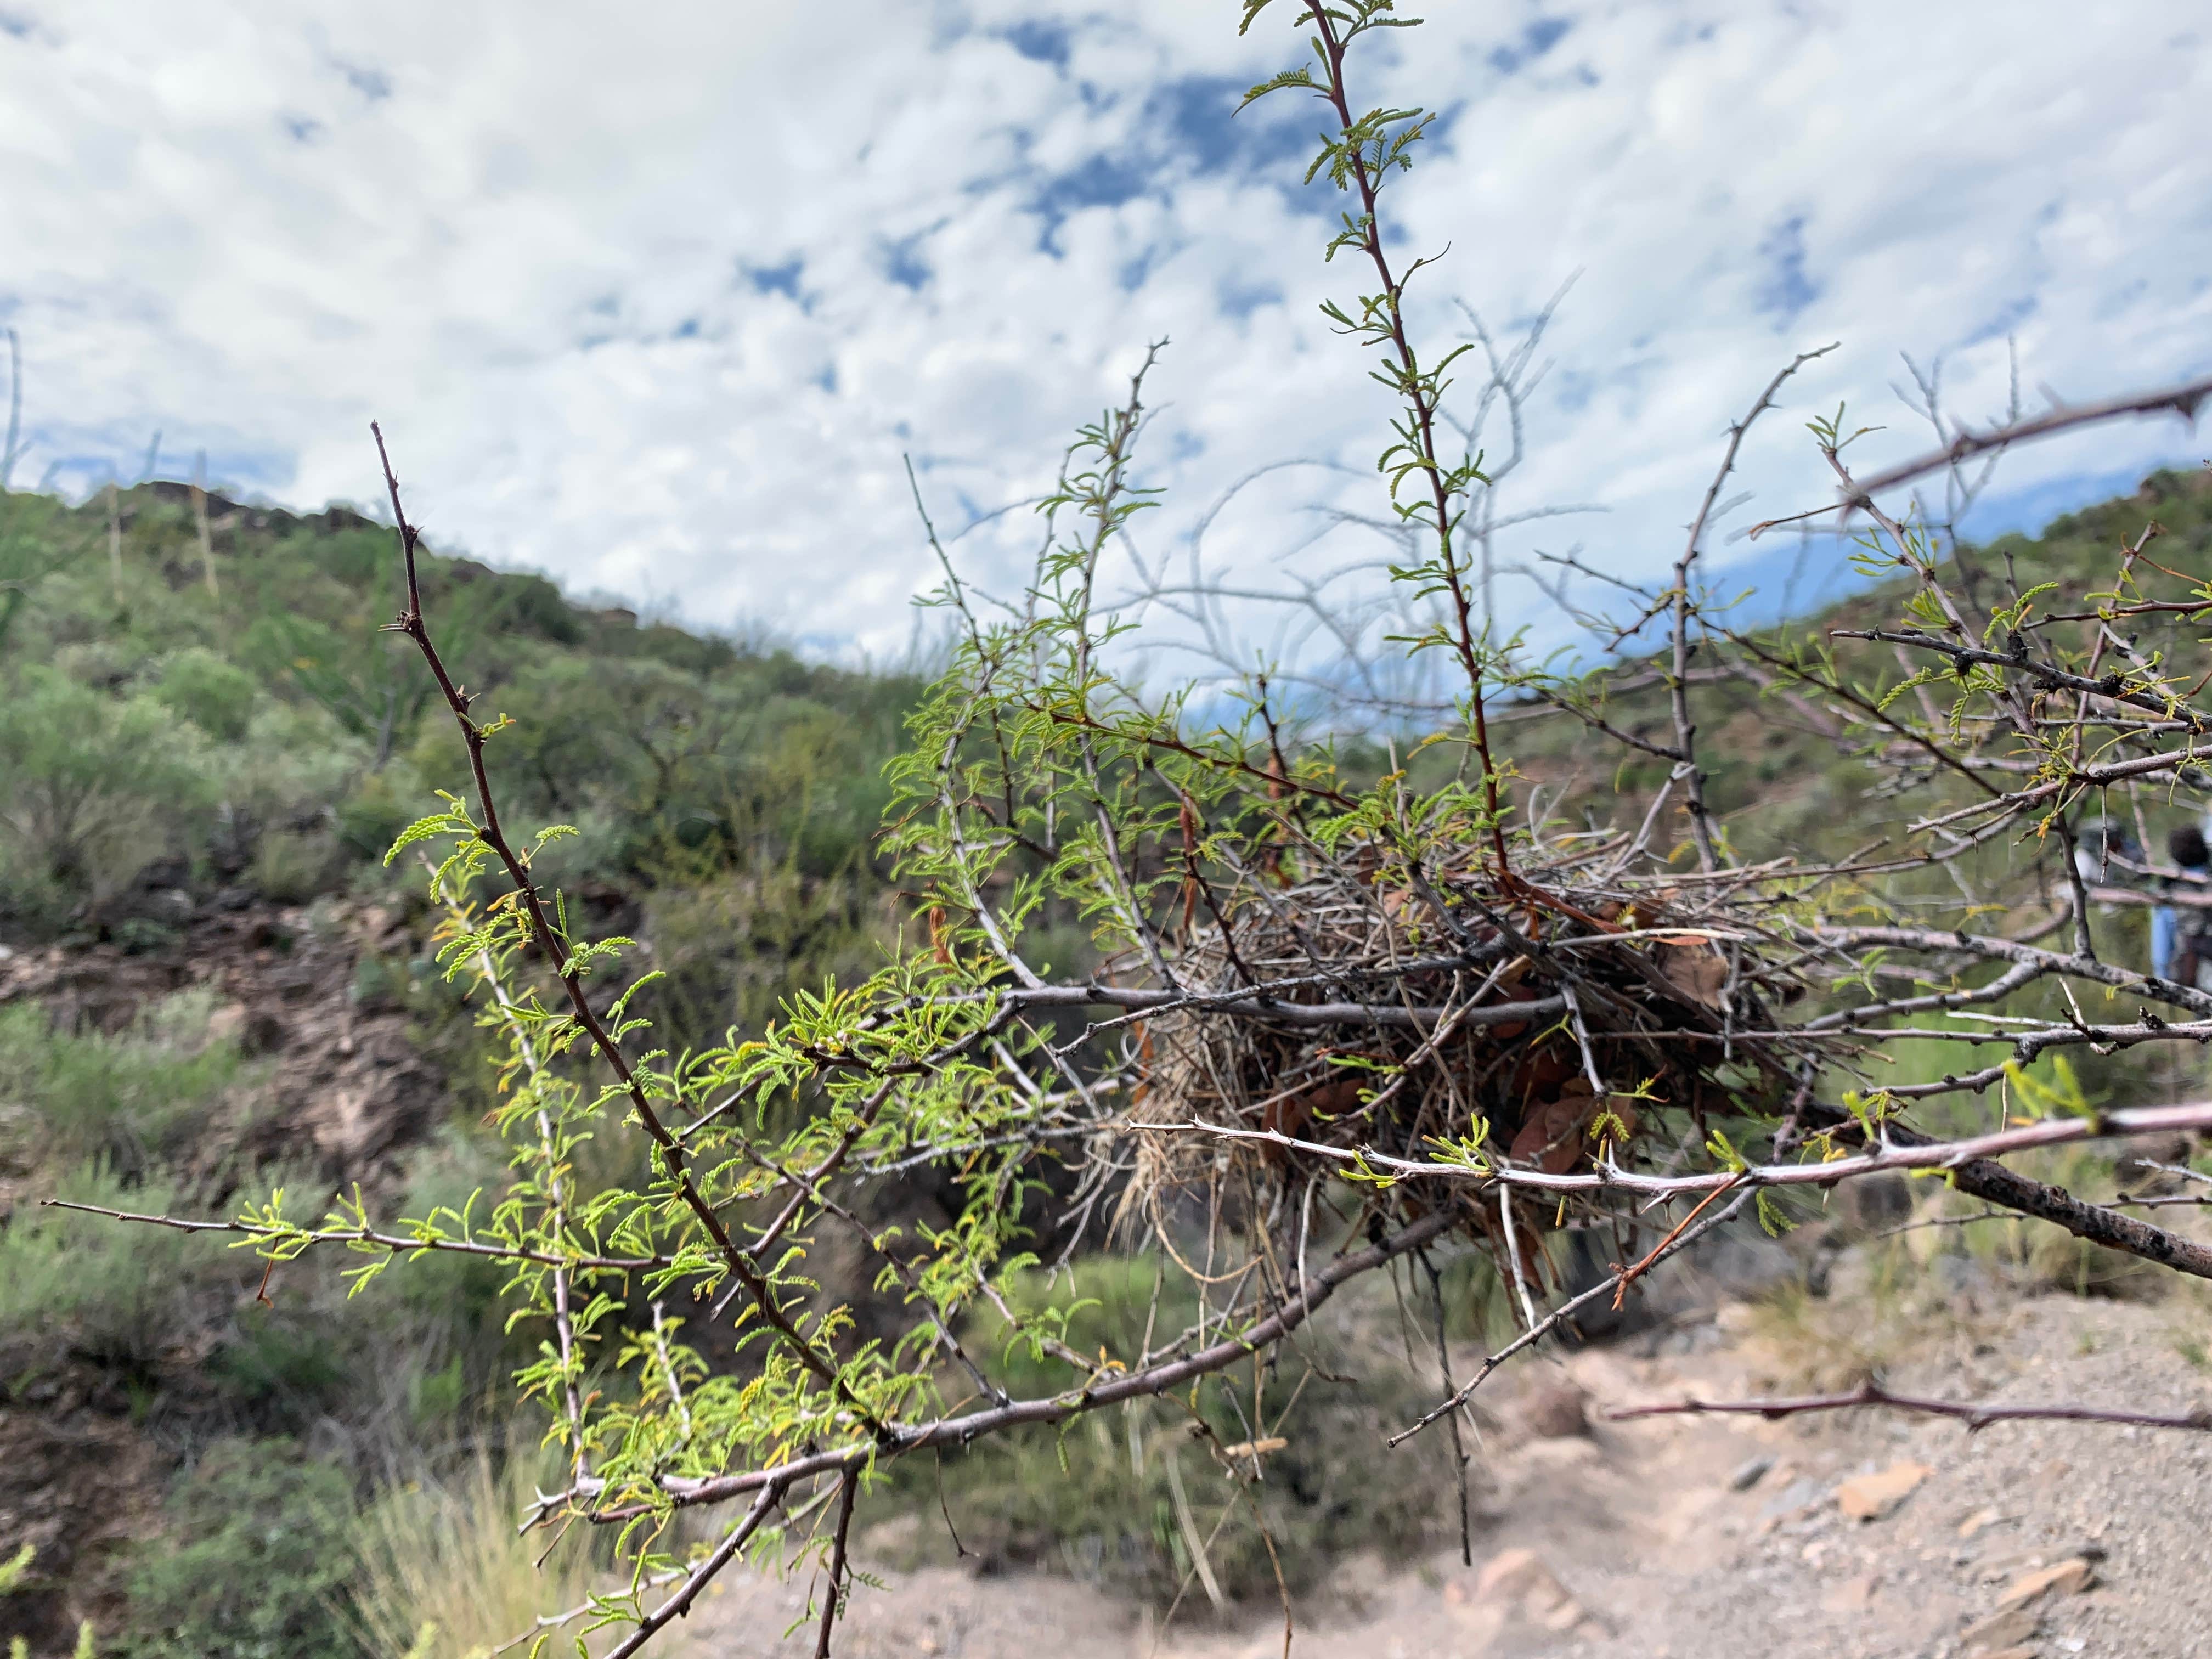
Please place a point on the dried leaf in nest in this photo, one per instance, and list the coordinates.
(1289, 1114)
(1545, 1074)
(1552, 1137)
(1700, 972)
(1510, 988)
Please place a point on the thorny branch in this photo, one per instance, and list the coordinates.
(1392, 971)
(1975, 1415)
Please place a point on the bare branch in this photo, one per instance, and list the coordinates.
(1974, 1416)
(2182, 401)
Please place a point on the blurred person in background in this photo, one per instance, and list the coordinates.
(2176, 948)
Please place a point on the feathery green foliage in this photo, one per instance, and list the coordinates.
(684, 1177)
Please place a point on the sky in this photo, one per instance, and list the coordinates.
(661, 299)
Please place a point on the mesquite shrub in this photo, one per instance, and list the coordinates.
(1335, 1020)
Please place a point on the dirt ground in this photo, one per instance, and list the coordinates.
(1677, 1537)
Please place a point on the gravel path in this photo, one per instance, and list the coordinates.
(1672, 1538)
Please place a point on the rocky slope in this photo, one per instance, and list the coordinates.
(88, 1445)
(1860, 1535)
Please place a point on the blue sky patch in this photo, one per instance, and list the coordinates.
(1784, 289)
(373, 84)
(2007, 321)
(1539, 38)
(1201, 114)
(903, 264)
(1046, 41)
(777, 279)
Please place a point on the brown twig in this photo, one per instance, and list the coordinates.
(1974, 1416)
(1558, 1317)
(2182, 401)
(1685, 730)
(679, 1604)
(847, 1488)
(1631, 1274)
(1147, 1382)
(398, 1244)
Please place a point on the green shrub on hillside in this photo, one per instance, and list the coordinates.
(214, 695)
(129, 1101)
(254, 1561)
(116, 1297)
(277, 741)
(95, 785)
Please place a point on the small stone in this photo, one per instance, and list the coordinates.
(1851, 1595)
(2067, 1577)
(1557, 1411)
(1519, 1579)
(1872, 1497)
(1749, 1473)
(1790, 1500)
(1999, 1630)
(1559, 1616)
(1978, 1519)
(1511, 1574)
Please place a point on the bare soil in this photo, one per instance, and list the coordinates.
(1715, 1537)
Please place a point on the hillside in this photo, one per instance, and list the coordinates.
(1779, 776)
(181, 735)
(211, 985)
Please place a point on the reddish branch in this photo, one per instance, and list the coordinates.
(1630, 1274)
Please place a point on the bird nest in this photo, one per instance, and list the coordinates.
(1555, 1017)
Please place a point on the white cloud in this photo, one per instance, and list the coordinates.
(654, 299)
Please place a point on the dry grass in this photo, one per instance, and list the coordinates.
(1933, 1270)
(444, 1575)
